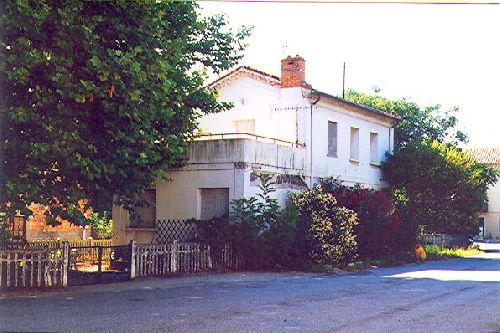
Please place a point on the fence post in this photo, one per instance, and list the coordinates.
(209, 259)
(132, 259)
(99, 261)
(174, 252)
(65, 264)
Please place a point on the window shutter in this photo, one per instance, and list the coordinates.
(332, 139)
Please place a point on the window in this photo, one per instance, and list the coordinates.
(145, 214)
(374, 157)
(332, 139)
(214, 202)
(355, 144)
(245, 126)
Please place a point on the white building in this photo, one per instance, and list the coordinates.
(280, 126)
(490, 220)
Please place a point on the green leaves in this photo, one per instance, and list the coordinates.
(331, 235)
(101, 96)
(439, 187)
(417, 123)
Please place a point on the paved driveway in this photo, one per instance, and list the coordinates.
(446, 296)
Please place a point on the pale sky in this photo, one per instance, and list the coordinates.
(446, 54)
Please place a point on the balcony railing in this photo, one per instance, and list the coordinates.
(218, 136)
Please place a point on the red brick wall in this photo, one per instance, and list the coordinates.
(37, 229)
(293, 71)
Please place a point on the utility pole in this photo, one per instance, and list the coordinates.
(343, 82)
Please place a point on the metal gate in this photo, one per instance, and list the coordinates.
(98, 264)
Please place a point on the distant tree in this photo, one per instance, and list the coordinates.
(438, 187)
(417, 123)
(99, 97)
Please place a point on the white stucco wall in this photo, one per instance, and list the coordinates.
(179, 198)
(286, 114)
(494, 197)
(209, 153)
(123, 234)
(360, 171)
(257, 100)
(492, 217)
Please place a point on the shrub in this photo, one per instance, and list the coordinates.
(282, 248)
(216, 232)
(330, 238)
(254, 228)
(378, 227)
(102, 225)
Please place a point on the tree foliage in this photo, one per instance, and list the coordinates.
(330, 237)
(417, 123)
(99, 97)
(438, 187)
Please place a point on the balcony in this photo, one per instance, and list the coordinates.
(246, 148)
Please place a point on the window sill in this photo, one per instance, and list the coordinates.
(353, 160)
(332, 156)
(375, 164)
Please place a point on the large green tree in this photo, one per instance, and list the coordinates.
(438, 187)
(435, 185)
(99, 97)
(417, 123)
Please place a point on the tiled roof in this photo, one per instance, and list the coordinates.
(485, 155)
(367, 108)
(275, 80)
(248, 68)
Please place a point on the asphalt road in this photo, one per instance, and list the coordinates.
(442, 296)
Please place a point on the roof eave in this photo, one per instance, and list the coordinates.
(265, 76)
(392, 118)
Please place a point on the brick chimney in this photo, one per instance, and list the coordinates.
(293, 72)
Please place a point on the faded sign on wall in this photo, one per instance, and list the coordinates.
(281, 181)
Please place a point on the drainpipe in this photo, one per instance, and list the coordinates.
(296, 126)
(389, 150)
(317, 98)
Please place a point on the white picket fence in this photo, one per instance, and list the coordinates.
(34, 268)
(166, 259)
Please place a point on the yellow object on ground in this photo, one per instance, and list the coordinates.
(420, 253)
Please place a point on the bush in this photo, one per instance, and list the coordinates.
(330, 239)
(378, 227)
(5, 235)
(102, 225)
(439, 187)
(255, 228)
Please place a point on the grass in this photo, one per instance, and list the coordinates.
(396, 259)
(434, 252)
